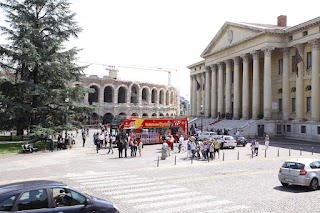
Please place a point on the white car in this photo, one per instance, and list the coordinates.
(300, 171)
(206, 135)
(227, 141)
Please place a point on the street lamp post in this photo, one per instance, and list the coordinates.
(201, 114)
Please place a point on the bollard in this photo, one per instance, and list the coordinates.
(278, 152)
(191, 160)
(223, 156)
(312, 150)
(238, 155)
(158, 161)
(175, 160)
(300, 151)
(289, 151)
(265, 153)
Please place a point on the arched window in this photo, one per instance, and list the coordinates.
(293, 89)
(308, 88)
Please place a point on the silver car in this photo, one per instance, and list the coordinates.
(300, 171)
(227, 141)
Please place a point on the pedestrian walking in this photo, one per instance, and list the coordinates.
(165, 149)
(216, 147)
(110, 145)
(256, 148)
(140, 146)
(83, 138)
(125, 146)
(50, 140)
(266, 141)
(120, 147)
(253, 144)
(181, 140)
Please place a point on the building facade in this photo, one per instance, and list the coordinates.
(114, 97)
(260, 71)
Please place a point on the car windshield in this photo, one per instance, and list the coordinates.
(293, 165)
(228, 138)
(241, 137)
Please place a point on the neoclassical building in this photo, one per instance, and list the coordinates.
(114, 97)
(261, 71)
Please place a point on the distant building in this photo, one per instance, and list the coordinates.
(114, 97)
(263, 72)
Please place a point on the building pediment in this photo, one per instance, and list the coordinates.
(231, 34)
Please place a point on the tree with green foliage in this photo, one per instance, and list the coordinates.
(36, 93)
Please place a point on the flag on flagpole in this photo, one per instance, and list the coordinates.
(198, 85)
(297, 60)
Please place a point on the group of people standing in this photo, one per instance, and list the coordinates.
(203, 149)
(122, 142)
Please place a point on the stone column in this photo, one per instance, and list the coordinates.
(207, 93)
(115, 95)
(267, 85)
(202, 93)
(220, 88)
(299, 86)
(193, 105)
(245, 87)
(315, 111)
(255, 85)
(214, 91)
(285, 85)
(198, 95)
(228, 86)
(236, 88)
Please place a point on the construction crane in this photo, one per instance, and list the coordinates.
(157, 69)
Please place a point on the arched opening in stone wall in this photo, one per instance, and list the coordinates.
(94, 119)
(134, 114)
(145, 95)
(94, 97)
(134, 94)
(154, 96)
(122, 113)
(145, 115)
(107, 118)
(108, 94)
(122, 95)
(154, 115)
(171, 114)
(167, 114)
(161, 97)
(172, 98)
(167, 98)
(161, 114)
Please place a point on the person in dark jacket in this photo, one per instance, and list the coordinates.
(120, 147)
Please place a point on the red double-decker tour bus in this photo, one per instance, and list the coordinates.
(152, 130)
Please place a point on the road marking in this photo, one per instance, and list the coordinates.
(202, 198)
(151, 193)
(133, 190)
(164, 197)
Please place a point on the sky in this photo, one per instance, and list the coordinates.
(166, 34)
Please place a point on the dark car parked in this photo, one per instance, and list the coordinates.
(49, 196)
(241, 141)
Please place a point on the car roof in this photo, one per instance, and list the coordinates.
(29, 184)
(302, 160)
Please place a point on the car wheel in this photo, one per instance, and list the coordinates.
(314, 184)
(285, 184)
(233, 147)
